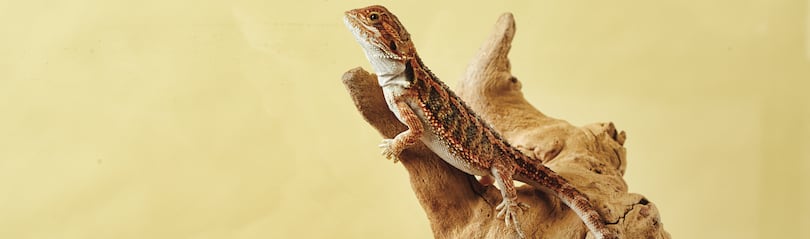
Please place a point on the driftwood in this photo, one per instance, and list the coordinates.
(459, 206)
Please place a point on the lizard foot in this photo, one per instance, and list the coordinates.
(508, 210)
(389, 151)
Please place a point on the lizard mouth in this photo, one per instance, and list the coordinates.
(365, 35)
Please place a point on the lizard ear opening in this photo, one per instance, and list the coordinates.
(409, 71)
(392, 45)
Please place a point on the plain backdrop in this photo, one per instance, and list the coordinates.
(227, 119)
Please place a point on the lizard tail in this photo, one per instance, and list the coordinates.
(541, 177)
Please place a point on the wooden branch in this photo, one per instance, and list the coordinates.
(458, 206)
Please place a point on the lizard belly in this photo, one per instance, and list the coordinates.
(435, 144)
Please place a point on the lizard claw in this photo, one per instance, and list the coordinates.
(508, 210)
(388, 149)
(523, 206)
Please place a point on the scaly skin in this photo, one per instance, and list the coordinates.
(443, 122)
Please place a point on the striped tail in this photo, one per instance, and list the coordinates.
(542, 177)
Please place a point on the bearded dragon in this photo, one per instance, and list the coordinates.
(445, 124)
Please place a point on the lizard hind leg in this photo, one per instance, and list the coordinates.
(509, 206)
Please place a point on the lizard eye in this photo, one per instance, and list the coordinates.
(374, 16)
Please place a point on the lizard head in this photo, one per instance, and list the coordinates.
(386, 42)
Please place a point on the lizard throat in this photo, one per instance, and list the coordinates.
(401, 76)
(386, 68)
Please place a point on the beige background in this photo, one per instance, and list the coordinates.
(227, 119)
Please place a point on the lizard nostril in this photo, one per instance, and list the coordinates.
(513, 79)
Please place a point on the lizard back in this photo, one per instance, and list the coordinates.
(463, 132)
(468, 136)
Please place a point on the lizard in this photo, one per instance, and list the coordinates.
(441, 120)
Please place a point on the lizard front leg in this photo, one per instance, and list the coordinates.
(509, 206)
(392, 147)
